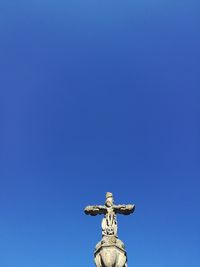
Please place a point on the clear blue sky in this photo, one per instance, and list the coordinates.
(96, 96)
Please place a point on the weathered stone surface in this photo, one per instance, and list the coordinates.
(110, 251)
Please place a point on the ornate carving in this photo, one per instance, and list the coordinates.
(110, 251)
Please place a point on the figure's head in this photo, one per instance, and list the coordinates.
(109, 199)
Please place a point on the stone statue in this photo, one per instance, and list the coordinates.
(110, 251)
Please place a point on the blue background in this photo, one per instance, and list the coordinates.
(96, 96)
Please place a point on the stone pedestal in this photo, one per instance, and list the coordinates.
(110, 252)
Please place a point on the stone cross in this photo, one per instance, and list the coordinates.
(110, 251)
(109, 210)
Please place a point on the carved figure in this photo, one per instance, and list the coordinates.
(110, 251)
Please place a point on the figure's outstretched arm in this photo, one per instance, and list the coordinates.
(95, 210)
(124, 209)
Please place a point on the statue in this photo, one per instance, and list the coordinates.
(110, 251)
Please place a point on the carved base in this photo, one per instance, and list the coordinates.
(110, 252)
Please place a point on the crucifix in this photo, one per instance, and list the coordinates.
(110, 251)
(110, 211)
